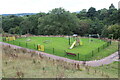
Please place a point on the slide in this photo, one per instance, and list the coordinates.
(73, 45)
(81, 43)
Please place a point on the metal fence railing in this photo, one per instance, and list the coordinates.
(61, 52)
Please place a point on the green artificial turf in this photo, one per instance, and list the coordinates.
(58, 46)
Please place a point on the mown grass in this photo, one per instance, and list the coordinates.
(61, 44)
(107, 51)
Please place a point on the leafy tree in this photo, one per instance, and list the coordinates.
(111, 6)
(61, 22)
(118, 16)
(15, 30)
(25, 26)
(115, 30)
(84, 26)
(10, 22)
(58, 21)
(91, 13)
(103, 14)
(82, 14)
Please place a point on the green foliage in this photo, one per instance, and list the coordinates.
(58, 21)
(9, 22)
(91, 13)
(115, 30)
(84, 27)
(15, 30)
(82, 14)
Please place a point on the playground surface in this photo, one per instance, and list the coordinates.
(59, 45)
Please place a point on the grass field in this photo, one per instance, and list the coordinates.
(34, 67)
(88, 51)
(110, 69)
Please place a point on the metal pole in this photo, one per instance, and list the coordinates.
(26, 44)
(34, 46)
(69, 40)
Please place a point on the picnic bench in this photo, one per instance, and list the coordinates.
(70, 53)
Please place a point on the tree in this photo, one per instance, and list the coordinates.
(25, 27)
(84, 26)
(103, 14)
(58, 22)
(118, 16)
(82, 14)
(111, 7)
(15, 30)
(9, 22)
(111, 18)
(115, 30)
(91, 13)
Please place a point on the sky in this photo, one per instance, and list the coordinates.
(36, 6)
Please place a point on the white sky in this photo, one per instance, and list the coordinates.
(35, 6)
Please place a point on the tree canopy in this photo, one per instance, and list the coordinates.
(58, 21)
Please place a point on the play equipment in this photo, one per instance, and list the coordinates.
(10, 38)
(76, 42)
(70, 53)
(81, 42)
(73, 45)
(40, 47)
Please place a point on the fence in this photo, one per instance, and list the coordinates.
(61, 52)
(97, 50)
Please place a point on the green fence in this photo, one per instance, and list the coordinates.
(53, 50)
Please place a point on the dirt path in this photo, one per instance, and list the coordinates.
(104, 61)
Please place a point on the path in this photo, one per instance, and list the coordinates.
(104, 61)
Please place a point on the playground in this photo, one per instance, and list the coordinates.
(76, 48)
